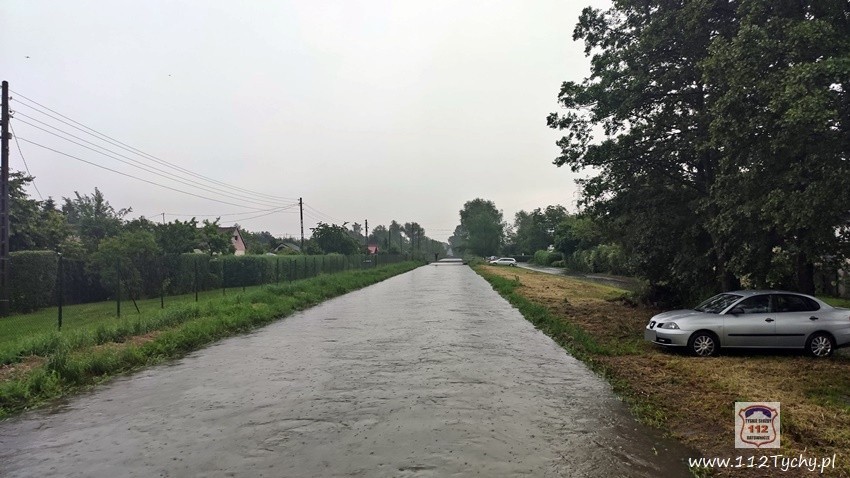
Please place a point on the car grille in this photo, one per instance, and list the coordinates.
(651, 324)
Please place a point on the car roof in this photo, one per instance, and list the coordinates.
(748, 293)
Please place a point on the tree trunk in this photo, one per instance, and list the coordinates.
(805, 274)
(730, 281)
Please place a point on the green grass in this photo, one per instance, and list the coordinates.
(836, 302)
(89, 316)
(96, 348)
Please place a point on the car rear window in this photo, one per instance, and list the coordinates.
(794, 303)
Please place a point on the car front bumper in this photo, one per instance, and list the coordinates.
(667, 337)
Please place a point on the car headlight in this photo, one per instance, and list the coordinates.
(668, 325)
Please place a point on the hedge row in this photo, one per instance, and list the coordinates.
(32, 280)
(546, 258)
(34, 283)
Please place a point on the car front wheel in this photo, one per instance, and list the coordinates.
(703, 344)
(820, 345)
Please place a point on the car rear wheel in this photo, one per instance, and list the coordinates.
(703, 344)
(820, 344)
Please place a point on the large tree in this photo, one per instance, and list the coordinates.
(481, 227)
(655, 165)
(781, 121)
(131, 256)
(33, 224)
(332, 238)
(535, 230)
(380, 236)
(396, 241)
(93, 218)
(178, 237)
(414, 233)
(457, 241)
(723, 129)
(213, 240)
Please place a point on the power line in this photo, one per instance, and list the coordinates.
(137, 164)
(127, 175)
(25, 161)
(280, 210)
(320, 213)
(126, 147)
(314, 217)
(255, 217)
(227, 214)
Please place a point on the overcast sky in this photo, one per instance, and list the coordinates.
(375, 110)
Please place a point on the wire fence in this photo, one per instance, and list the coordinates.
(43, 279)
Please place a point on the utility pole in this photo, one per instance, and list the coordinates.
(367, 235)
(4, 204)
(301, 208)
(163, 218)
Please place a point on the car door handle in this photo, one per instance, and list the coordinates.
(768, 320)
(813, 318)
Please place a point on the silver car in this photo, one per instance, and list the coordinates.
(504, 261)
(754, 319)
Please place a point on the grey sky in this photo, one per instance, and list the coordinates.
(373, 110)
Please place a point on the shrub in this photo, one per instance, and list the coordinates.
(541, 258)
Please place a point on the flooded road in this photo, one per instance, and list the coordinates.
(429, 373)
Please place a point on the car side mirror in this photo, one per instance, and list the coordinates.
(736, 311)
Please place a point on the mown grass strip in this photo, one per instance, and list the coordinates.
(86, 357)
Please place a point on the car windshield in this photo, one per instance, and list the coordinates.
(717, 303)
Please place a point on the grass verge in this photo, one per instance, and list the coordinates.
(690, 398)
(47, 365)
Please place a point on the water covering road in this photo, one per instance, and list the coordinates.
(430, 373)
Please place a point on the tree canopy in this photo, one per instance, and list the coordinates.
(481, 229)
(535, 230)
(332, 238)
(33, 224)
(724, 137)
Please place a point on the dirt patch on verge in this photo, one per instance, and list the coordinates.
(135, 341)
(15, 370)
(693, 398)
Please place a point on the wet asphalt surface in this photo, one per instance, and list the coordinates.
(430, 373)
(613, 281)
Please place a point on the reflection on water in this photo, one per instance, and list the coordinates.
(430, 373)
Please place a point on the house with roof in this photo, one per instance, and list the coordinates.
(288, 246)
(235, 239)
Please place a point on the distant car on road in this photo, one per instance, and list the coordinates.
(504, 261)
(753, 319)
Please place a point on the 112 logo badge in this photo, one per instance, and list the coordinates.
(757, 425)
